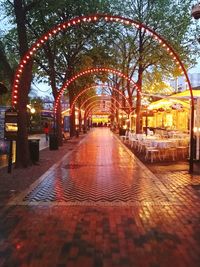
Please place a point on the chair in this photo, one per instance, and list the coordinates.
(152, 153)
(182, 151)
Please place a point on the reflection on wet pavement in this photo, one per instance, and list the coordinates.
(101, 207)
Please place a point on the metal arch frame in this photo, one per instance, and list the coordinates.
(98, 96)
(94, 106)
(108, 18)
(99, 101)
(99, 85)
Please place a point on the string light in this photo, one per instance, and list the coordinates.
(100, 96)
(107, 18)
(99, 85)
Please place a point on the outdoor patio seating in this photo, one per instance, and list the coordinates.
(152, 153)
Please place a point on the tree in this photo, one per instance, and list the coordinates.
(141, 53)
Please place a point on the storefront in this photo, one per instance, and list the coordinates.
(169, 114)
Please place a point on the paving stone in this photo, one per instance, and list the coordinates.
(101, 207)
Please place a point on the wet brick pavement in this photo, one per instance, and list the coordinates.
(100, 206)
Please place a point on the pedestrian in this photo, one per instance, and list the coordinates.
(46, 131)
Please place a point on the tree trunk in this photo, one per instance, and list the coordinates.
(80, 120)
(138, 104)
(22, 159)
(59, 125)
(139, 83)
(130, 94)
(72, 116)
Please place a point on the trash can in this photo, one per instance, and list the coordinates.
(53, 142)
(34, 149)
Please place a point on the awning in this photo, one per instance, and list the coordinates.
(167, 103)
(186, 94)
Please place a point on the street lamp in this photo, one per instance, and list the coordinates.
(32, 110)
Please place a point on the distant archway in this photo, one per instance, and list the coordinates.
(98, 96)
(100, 85)
(90, 71)
(99, 102)
(109, 110)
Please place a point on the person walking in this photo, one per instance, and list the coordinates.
(46, 131)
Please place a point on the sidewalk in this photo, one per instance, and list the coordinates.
(42, 145)
(20, 179)
(100, 206)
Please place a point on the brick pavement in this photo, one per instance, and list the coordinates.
(20, 179)
(116, 213)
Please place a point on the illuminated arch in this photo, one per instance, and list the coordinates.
(100, 101)
(108, 18)
(98, 96)
(94, 18)
(110, 110)
(89, 71)
(99, 85)
(94, 108)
